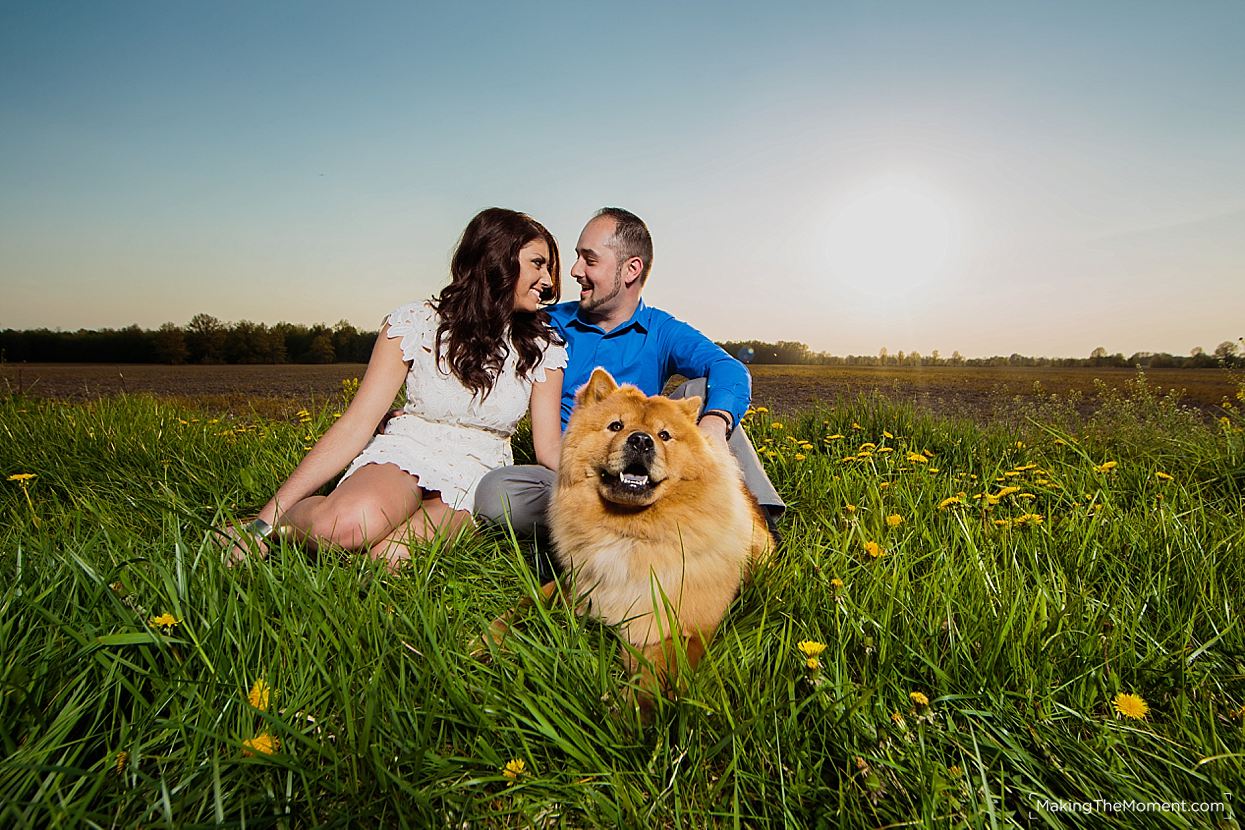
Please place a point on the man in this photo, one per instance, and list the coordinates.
(610, 326)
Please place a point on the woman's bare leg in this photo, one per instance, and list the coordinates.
(433, 517)
(367, 506)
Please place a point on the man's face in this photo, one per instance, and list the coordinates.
(597, 268)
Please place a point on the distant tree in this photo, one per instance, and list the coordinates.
(957, 359)
(169, 345)
(321, 348)
(205, 336)
(1225, 353)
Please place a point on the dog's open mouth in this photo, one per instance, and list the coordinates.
(630, 485)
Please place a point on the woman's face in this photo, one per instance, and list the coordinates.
(534, 276)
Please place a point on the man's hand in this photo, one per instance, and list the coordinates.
(713, 426)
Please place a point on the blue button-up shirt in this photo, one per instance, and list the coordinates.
(646, 351)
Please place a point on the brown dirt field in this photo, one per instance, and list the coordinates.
(955, 390)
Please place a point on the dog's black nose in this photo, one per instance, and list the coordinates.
(640, 442)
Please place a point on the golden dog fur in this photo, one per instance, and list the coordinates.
(663, 559)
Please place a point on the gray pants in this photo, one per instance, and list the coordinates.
(521, 493)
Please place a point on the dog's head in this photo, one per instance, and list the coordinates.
(630, 447)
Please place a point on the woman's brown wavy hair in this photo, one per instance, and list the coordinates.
(477, 307)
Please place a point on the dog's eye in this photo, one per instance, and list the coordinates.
(663, 435)
(616, 426)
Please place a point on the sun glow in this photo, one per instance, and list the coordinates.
(893, 230)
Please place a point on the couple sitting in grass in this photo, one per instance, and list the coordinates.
(474, 360)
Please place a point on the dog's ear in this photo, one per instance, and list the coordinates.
(598, 387)
(690, 406)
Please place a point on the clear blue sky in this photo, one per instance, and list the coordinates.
(1041, 178)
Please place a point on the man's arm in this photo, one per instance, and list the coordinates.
(693, 355)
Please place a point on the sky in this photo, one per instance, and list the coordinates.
(988, 178)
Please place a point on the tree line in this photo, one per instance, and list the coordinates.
(788, 352)
(205, 339)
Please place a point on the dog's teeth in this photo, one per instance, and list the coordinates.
(635, 481)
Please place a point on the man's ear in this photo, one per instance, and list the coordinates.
(632, 269)
(598, 387)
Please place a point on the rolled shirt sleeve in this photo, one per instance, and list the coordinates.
(693, 355)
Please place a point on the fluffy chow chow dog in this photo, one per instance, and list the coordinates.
(651, 521)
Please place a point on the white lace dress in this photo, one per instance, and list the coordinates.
(446, 436)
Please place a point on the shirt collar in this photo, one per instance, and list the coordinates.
(639, 320)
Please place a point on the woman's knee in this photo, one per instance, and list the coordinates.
(349, 523)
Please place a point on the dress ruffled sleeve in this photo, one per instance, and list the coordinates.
(554, 358)
(415, 323)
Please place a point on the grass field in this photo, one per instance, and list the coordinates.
(948, 390)
(1018, 615)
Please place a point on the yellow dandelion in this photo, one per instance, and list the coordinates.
(884, 450)
(886, 434)
(799, 456)
(850, 508)
(1106, 467)
(834, 437)
(917, 458)
(165, 621)
(894, 520)
(856, 425)
(1130, 705)
(947, 502)
(933, 470)
(836, 584)
(1006, 491)
(1059, 442)
(762, 409)
(954, 771)
(23, 477)
(261, 744)
(812, 664)
(811, 648)
(1163, 476)
(882, 485)
(804, 445)
(1025, 468)
(259, 694)
(927, 453)
(919, 698)
(776, 425)
(874, 549)
(868, 445)
(1020, 445)
(514, 768)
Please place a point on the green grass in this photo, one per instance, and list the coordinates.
(1019, 636)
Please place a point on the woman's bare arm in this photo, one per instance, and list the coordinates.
(546, 409)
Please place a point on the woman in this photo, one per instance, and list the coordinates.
(472, 359)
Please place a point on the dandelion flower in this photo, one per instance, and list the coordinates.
(954, 771)
(850, 508)
(834, 437)
(514, 768)
(874, 549)
(776, 425)
(259, 694)
(811, 648)
(917, 458)
(856, 425)
(165, 621)
(919, 698)
(762, 409)
(1106, 467)
(261, 744)
(836, 584)
(894, 520)
(23, 477)
(945, 503)
(812, 664)
(1130, 705)
(799, 456)
(1163, 476)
